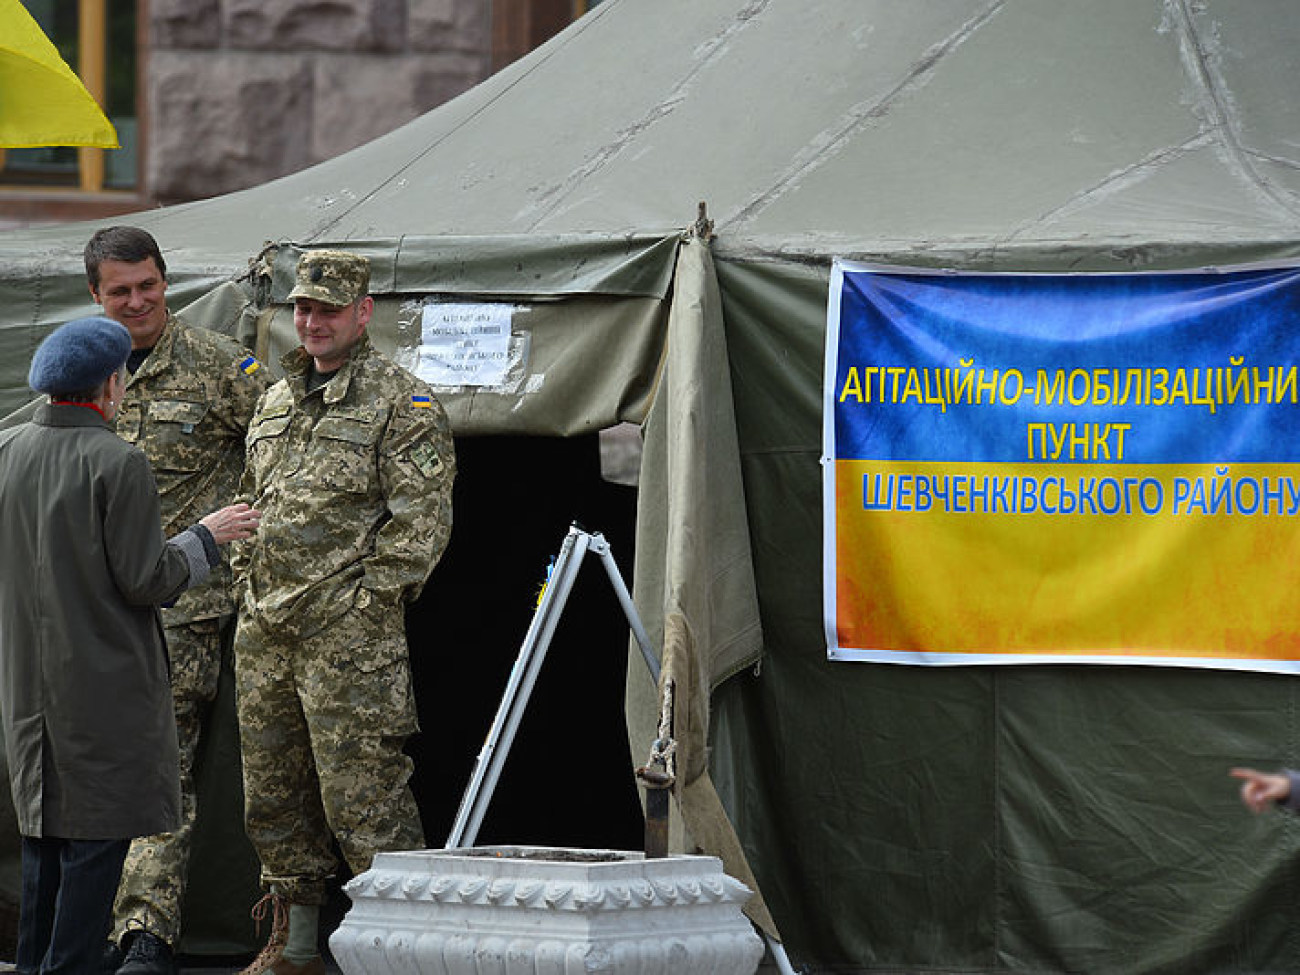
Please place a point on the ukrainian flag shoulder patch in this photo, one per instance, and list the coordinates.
(421, 402)
(249, 366)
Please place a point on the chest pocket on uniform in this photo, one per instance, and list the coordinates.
(344, 452)
(169, 434)
(129, 421)
(266, 436)
(267, 425)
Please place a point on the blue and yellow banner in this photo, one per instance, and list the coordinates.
(1063, 468)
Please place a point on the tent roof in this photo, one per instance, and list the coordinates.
(949, 131)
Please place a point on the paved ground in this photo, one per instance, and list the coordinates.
(208, 966)
(218, 966)
(232, 966)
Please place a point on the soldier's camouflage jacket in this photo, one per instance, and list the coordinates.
(187, 407)
(354, 484)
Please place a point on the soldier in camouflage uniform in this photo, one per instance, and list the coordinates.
(187, 405)
(350, 459)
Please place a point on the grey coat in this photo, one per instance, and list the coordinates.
(84, 696)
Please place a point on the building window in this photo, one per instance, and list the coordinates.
(519, 26)
(97, 38)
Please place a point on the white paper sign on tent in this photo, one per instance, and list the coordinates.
(464, 344)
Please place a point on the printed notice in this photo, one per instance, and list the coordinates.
(463, 344)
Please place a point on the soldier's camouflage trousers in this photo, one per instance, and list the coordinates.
(322, 722)
(153, 877)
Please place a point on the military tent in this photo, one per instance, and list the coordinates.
(995, 819)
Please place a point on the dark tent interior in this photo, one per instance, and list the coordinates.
(568, 778)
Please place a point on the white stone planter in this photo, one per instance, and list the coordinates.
(542, 911)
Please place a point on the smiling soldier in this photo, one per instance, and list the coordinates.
(187, 405)
(352, 458)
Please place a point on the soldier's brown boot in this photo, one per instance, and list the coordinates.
(279, 937)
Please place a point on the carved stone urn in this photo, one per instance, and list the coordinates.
(544, 911)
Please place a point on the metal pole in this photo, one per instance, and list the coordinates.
(488, 765)
(659, 776)
(778, 955)
(601, 548)
(657, 797)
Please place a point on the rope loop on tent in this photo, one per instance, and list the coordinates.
(660, 771)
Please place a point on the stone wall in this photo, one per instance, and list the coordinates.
(243, 91)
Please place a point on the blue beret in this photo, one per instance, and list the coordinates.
(79, 356)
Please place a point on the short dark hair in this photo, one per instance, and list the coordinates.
(90, 395)
(130, 245)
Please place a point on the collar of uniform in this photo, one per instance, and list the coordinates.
(297, 362)
(159, 355)
(67, 415)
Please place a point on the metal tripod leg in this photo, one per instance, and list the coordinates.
(487, 767)
(601, 548)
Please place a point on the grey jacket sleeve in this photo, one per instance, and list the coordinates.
(200, 550)
(1292, 801)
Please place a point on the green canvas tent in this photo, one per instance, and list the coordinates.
(992, 819)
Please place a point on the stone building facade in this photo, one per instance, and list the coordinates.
(232, 93)
(277, 85)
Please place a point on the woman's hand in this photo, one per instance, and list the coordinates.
(232, 523)
(1259, 790)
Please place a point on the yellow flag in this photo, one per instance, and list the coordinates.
(42, 102)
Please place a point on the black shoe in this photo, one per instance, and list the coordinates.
(112, 958)
(147, 955)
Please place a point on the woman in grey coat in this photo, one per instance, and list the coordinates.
(84, 693)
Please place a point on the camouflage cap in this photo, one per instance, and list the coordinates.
(334, 277)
